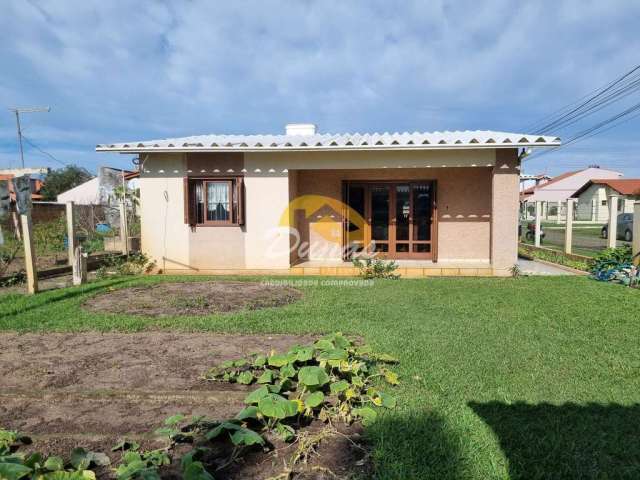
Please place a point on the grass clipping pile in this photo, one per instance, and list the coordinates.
(192, 298)
(305, 397)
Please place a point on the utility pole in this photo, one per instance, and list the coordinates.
(18, 111)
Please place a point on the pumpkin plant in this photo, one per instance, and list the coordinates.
(35, 466)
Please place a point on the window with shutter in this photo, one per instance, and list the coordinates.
(214, 201)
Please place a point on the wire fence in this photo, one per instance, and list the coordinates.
(97, 231)
(590, 227)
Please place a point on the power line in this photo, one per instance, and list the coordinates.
(540, 126)
(595, 129)
(43, 151)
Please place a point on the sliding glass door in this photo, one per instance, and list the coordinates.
(395, 219)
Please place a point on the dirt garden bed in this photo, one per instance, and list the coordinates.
(93, 390)
(192, 298)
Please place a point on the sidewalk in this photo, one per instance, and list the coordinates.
(530, 267)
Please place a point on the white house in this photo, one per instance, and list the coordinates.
(88, 193)
(556, 191)
(596, 193)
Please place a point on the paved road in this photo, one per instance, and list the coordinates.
(556, 237)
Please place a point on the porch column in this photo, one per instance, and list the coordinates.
(538, 221)
(635, 245)
(568, 227)
(504, 211)
(613, 221)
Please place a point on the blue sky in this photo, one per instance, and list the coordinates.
(133, 70)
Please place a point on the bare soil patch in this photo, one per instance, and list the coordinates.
(92, 390)
(192, 298)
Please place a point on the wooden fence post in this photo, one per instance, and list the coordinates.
(538, 220)
(568, 227)
(79, 267)
(124, 234)
(29, 253)
(635, 245)
(71, 234)
(612, 232)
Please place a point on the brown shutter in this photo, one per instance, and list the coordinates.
(240, 197)
(189, 203)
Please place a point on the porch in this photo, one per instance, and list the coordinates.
(406, 268)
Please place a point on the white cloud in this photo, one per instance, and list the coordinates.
(123, 70)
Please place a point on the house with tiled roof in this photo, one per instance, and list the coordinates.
(441, 203)
(556, 191)
(597, 192)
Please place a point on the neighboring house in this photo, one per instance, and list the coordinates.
(88, 193)
(555, 192)
(596, 193)
(36, 186)
(303, 202)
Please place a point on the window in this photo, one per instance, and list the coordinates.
(214, 201)
(603, 203)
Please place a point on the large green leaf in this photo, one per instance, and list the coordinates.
(54, 463)
(312, 376)
(245, 378)
(256, 395)
(266, 377)
(338, 387)
(276, 406)
(314, 400)
(288, 371)
(248, 412)
(303, 354)
(13, 471)
(334, 354)
(244, 436)
(280, 360)
(223, 427)
(196, 471)
(367, 414)
(324, 344)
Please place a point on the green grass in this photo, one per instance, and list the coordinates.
(501, 378)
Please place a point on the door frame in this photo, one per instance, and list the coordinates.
(431, 255)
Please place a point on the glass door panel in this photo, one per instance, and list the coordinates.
(380, 217)
(402, 217)
(422, 204)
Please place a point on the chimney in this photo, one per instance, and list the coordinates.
(300, 129)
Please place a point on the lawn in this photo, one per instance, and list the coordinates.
(501, 378)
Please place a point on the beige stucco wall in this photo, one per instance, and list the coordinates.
(467, 189)
(504, 205)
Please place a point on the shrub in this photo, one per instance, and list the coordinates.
(375, 268)
(134, 264)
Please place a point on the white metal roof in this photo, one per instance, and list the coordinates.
(346, 141)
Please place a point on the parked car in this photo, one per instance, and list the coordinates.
(625, 228)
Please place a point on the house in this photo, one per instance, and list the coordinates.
(305, 203)
(595, 194)
(36, 175)
(557, 190)
(88, 193)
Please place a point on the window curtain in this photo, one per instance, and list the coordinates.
(218, 201)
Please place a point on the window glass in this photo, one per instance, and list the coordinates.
(218, 207)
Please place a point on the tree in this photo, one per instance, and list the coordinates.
(63, 179)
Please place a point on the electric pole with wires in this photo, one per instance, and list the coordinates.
(18, 111)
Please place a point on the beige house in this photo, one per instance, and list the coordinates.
(443, 203)
(595, 193)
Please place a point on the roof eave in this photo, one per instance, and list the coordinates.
(474, 146)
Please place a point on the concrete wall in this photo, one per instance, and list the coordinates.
(504, 218)
(468, 188)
